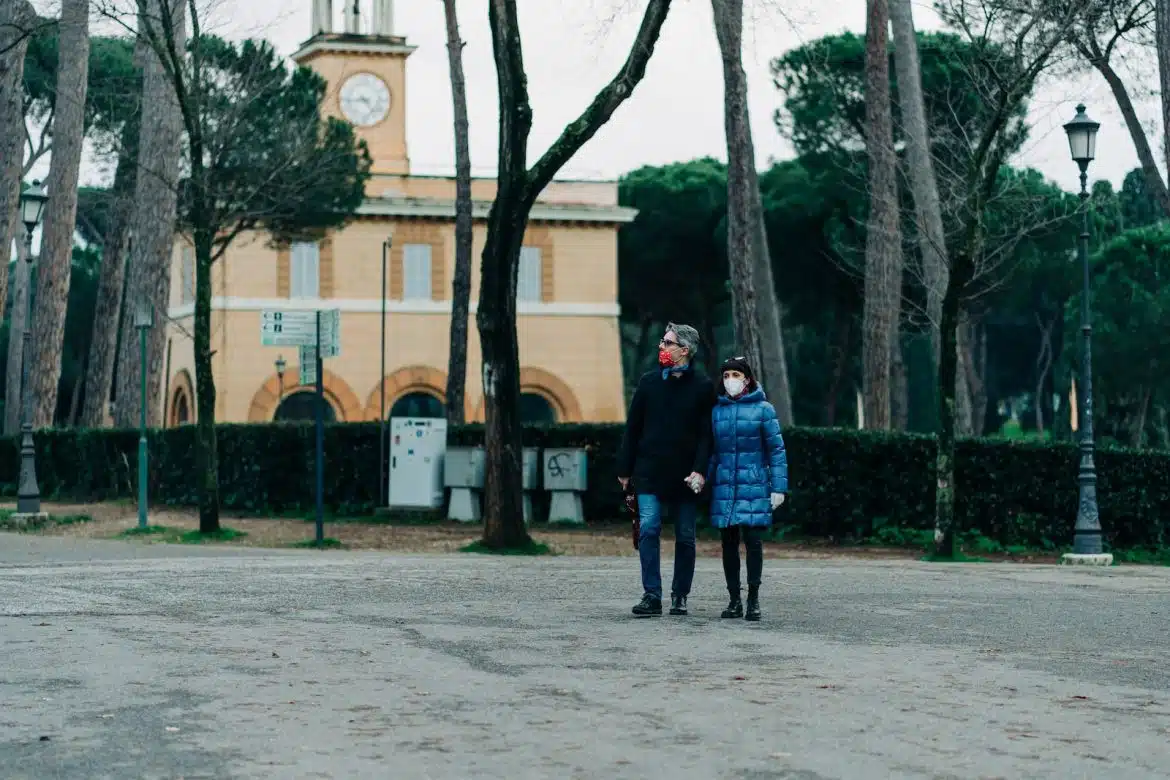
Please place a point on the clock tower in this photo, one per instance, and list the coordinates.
(365, 67)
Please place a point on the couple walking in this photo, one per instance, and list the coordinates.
(682, 436)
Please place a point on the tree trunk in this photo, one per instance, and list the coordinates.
(56, 260)
(107, 314)
(964, 403)
(712, 361)
(461, 284)
(944, 520)
(883, 243)
(899, 388)
(516, 192)
(17, 322)
(1162, 44)
(1043, 369)
(840, 359)
(976, 373)
(1138, 431)
(1137, 132)
(741, 232)
(152, 224)
(747, 237)
(75, 399)
(15, 17)
(207, 448)
(496, 318)
(920, 162)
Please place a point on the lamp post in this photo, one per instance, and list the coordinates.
(143, 322)
(280, 366)
(383, 499)
(28, 495)
(1087, 547)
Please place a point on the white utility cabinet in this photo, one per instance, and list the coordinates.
(417, 445)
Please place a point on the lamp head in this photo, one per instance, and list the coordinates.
(32, 206)
(1082, 137)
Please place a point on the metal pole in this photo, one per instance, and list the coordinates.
(142, 470)
(383, 499)
(28, 494)
(1087, 535)
(320, 438)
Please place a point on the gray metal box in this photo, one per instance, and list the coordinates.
(530, 468)
(565, 470)
(463, 467)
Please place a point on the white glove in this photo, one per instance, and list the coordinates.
(777, 500)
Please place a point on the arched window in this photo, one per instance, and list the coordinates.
(302, 406)
(418, 405)
(536, 410)
(180, 410)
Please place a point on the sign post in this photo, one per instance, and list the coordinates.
(317, 334)
(320, 436)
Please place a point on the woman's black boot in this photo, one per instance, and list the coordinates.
(735, 606)
(753, 603)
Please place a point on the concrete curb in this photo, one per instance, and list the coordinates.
(1075, 559)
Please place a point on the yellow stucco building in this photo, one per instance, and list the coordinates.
(567, 293)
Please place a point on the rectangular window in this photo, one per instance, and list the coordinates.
(528, 281)
(416, 272)
(187, 274)
(305, 271)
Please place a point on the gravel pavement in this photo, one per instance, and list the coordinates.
(123, 660)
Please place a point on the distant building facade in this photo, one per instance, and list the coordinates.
(570, 342)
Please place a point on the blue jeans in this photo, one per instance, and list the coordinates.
(649, 547)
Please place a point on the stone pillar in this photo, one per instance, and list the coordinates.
(353, 18)
(322, 16)
(383, 17)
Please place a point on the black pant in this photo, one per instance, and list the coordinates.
(753, 540)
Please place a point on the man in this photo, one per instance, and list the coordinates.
(663, 460)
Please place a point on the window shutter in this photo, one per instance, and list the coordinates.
(416, 267)
(187, 280)
(306, 271)
(528, 281)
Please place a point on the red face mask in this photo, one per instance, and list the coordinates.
(665, 359)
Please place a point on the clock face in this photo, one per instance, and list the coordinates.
(365, 99)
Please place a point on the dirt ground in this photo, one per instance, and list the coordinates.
(109, 520)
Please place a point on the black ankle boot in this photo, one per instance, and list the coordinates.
(753, 603)
(648, 606)
(678, 605)
(735, 606)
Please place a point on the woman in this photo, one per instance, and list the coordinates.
(748, 476)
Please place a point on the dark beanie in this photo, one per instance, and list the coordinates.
(739, 364)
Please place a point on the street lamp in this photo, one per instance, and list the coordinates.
(280, 379)
(1082, 144)
(28, 495)
(143, 321)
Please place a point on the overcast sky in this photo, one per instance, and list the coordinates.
(572, 47)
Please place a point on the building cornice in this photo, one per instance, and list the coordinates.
(341, 43)
(374, 306)
(445, 209)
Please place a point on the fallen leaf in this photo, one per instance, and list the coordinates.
(739, 677)
(44, 738)
(274, 655)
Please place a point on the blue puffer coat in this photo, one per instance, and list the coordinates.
(748, 463)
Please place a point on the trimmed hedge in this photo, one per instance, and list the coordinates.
(846, 485)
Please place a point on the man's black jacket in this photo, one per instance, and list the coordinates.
(668, 434)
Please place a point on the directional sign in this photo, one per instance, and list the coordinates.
(308, 367)
(331, 333)
(288, 328)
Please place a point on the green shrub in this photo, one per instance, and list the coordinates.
(845, 485)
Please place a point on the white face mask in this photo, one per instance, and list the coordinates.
(733, 386)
